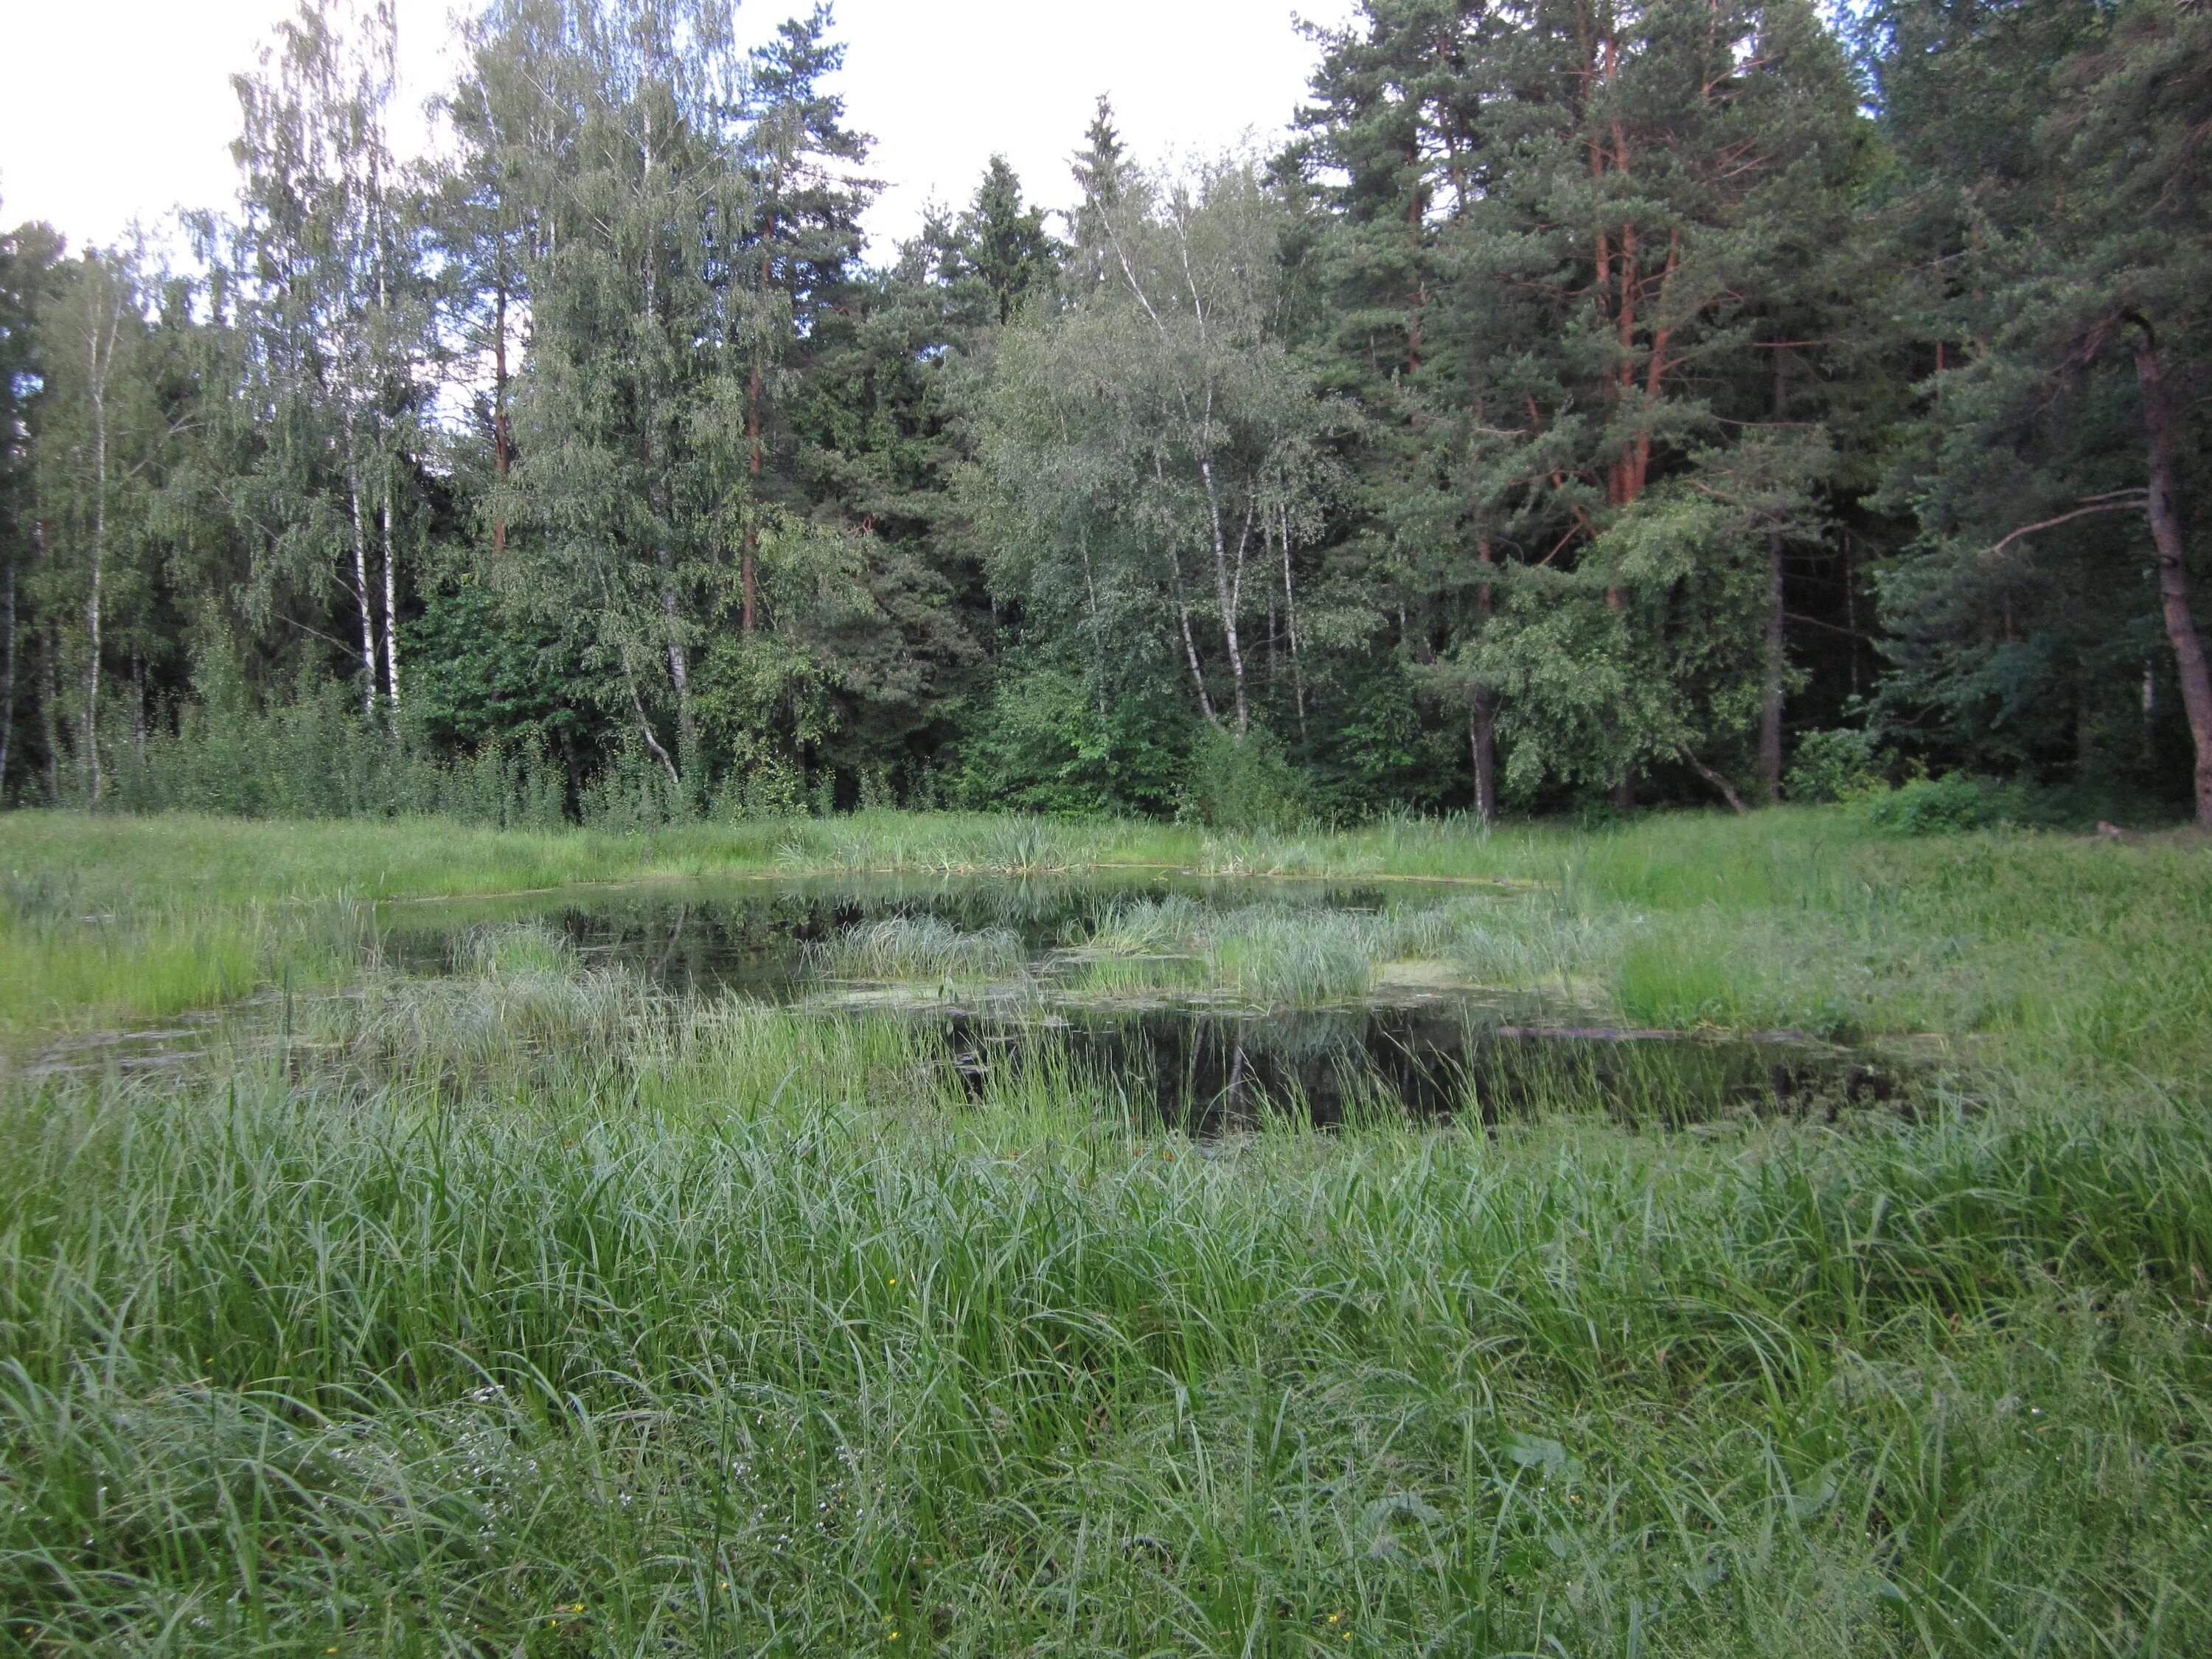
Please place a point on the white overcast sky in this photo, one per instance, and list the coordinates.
(121, 110)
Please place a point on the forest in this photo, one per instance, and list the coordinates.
(1586, 402)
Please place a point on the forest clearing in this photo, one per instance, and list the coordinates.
(1437, 882)
(745, 1240)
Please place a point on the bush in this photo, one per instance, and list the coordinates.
(1839, 765)
(1247, 785)
(1947, 805)
(1043, 745)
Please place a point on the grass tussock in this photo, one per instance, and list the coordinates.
(923, 947)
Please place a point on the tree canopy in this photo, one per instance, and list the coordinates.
(1586, 402)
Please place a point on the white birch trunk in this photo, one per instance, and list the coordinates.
(391, 605)
(360, 579)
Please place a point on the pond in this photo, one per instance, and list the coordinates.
(1212, 1003)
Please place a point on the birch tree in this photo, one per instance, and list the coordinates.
(1163, 425)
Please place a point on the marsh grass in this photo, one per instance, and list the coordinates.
(527, 1311)
(313, 1355)
(1303, 955)
(921, 947)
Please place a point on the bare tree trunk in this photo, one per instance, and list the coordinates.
(1482, 711)
(360, 581)
(1482, 745)
(7, 674)
(97, 369)
(1227, 594)
(1727, 789)
(1097, 633)
(679, 663)
(748, 557)
(501, 446)
(2173, 567)
(1770, 711)
(636, 700)
(50, 706)
(1189, 640)
(391, 604)
(644, 725)
(1291, 622)
(91, 734)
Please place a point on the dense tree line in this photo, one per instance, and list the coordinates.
(1591, 401)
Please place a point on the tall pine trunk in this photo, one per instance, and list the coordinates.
(1482, 708)
(748, 557)
(97, 386)
(1770, 711)
(7, 674)
(2173, 566)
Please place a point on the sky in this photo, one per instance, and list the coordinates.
(120, 111)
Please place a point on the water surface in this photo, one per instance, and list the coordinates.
(1011, 972)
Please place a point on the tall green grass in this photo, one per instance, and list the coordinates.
(713, 1330)
(528, 1311)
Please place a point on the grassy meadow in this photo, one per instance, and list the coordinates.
(525, 1310)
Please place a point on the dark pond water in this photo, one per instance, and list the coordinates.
(1421, 1041)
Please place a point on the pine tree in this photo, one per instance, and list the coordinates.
(1632, 177)
(1005, 242)
(28, 256)
(805, 236)
(2072, 272)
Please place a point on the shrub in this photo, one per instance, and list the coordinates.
(1838, 765)
(1247, 784)
(1947, 805)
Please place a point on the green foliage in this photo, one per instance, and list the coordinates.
(1838, 765)
(1241, 785)
(1946, 806)
(1043, 745)
(1551, 413)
